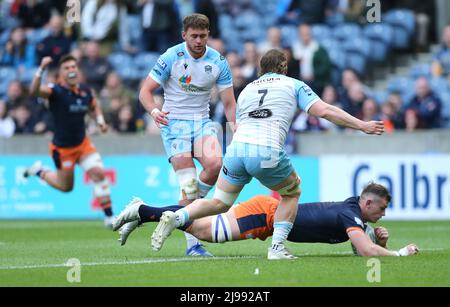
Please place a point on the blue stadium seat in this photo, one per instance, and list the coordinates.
(248, 20)
(380, 97)
(36, 36)
(338, 58)
(4, 37)
(7, 74)
(120, 59)
(330, 44)
(26, 76)
(289, 35)
(382, 38)
(347, 31)
(145, 60)
(445, 99)
(129, 73)
(440, 85)
(420, 70)
(358, 52)
(404, 23)
(402, 85)
(321, 32)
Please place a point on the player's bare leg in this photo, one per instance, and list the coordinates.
(102, 193)
(189, 191)
(208, 151)
(61, 180)
(285, 215)
(198, 209)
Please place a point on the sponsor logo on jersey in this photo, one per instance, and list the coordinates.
(185, 79)
(185, 66)
(222, 58)
(161, 64)
(180, 54)
(157, 71)
(208, 69)
(308, 91)
(263, 113)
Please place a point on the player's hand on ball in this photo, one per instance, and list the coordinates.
(46, 61)
(160, 118)
(382, 236)
(374, 127)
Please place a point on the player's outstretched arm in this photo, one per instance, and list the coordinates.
(342, 118)
(148, 102)
(367, 248)
(98, 115)
(36, 89)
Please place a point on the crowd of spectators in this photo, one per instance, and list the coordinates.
(33, 29)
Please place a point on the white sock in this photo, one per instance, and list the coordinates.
(281, 231)
(203, 188)
(190, 240)
(182, 217)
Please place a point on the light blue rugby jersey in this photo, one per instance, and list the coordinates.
(187, 82)
(267, 106)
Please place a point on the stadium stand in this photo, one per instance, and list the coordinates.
(361, 46)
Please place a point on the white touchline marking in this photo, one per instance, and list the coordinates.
(145, 261)
(184, 259)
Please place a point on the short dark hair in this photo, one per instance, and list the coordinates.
(274, 61)
(195, 21)
(67, 58)
(378, 190)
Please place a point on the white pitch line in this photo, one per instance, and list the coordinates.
(147, 261)
(184, 259)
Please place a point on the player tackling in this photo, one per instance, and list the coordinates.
(266, 108)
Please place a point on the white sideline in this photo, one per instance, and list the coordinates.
(145, 261)
(162, 260)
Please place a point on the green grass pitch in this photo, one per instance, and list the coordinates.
(33, 253)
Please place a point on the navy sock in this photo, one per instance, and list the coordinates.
(153, 214)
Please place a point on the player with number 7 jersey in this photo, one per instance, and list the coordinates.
(265, 110)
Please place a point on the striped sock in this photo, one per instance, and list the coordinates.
(281, 231)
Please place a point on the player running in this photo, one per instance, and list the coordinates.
(324, 222)
(188, 72)
(69, 102)
(266, 108)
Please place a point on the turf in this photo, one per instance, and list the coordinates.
(33, 253)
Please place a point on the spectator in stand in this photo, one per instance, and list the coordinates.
(348, 78)
(125, 122)
(411, 120)
(114, 88)
(218, 44)
(33, 14)
(427, 105)
(233, 59)
(441, 59)
(207, 8)
(356, 97)
(56, 44)
(315, 65)
(94, 66)
(23, 120)
(399, 110)
(161, 24)
(16, 94)
(234, 7)
(104, 21)
(249, 67)
(273, 41)
(387, 116)
(7, 126)
(293, 64)
(302, 12)
(370, 110)
(18, 53)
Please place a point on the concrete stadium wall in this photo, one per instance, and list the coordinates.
(311, 144)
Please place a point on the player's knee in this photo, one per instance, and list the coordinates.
(292, 190)
(224, 200)
(187, 179)
(92, 163)
(102, 188)
(215, 165)
(97, 174)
